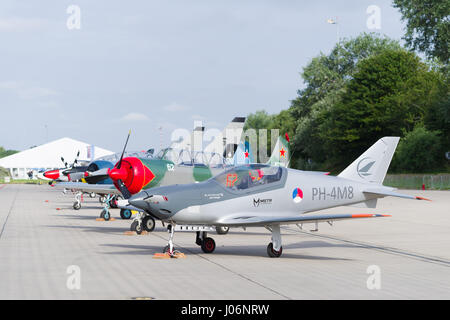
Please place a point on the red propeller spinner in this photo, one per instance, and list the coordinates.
(133, 173)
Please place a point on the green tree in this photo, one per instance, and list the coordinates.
(325, 81)
(388, 95)
(427, 26)
(418, 152)
(5, 153)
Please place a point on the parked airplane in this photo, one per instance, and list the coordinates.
(258, 195)
(68, 173)
(170, 166)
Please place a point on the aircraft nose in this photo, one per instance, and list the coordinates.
(155, 204)
(138, 201)
(53, 174)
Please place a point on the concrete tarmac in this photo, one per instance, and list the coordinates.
(47, 253)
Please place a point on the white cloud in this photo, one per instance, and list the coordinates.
(175, 107)
(135, 117)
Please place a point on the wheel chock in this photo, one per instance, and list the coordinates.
(134, 233)
(176, 255)
(101, 219)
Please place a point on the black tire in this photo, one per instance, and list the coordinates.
(76, 205)
(136, 227)
(105, 215)
(222, 230)
(208, 245)
(273, 253)
(125, 214)
(92, 195)
(148, 224)
(102, 199)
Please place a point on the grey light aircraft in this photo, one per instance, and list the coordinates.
(257, 195)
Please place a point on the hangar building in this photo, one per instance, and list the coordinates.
(48, 156)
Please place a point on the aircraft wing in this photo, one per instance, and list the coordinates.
(380, 192)
(88, 188)
(252, 220)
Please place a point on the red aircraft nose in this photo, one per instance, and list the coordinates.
(53, 174)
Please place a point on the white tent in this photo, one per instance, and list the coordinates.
(48, 156)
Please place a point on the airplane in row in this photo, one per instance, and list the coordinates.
(260, 195)
(71, 172)
(179, 163)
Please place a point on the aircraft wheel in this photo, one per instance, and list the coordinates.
(92, 195)
(76, 205)
(105, 215)
(125, 214)
(136, 227)
(222, 230)
(273, 253)
(148, 223)
(102, 199)
(208, 245)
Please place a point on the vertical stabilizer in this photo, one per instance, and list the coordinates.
(373, 164)
(280, 154)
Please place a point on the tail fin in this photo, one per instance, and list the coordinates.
(280, 154)
(243, 154)
(373, 164)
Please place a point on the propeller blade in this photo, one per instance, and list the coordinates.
(123, 152)
(122, 187)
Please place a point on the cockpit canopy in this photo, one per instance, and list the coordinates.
(191, 158)
(249, 176)
(138, 154)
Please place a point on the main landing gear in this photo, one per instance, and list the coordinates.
(208, 245)
(111, 202)
(274, 249)
(143, 222)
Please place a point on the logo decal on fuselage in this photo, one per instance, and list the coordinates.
(257, 203)
(297, 195)
(365, 167)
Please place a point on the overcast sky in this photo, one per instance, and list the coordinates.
(144, 64)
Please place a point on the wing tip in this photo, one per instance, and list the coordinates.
(422, 198)
(371, 215)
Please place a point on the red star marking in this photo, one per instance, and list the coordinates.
(283, 153)
(246, 154)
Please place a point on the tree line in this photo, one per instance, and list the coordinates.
(371, 86)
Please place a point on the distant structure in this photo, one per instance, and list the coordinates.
(26, 164)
